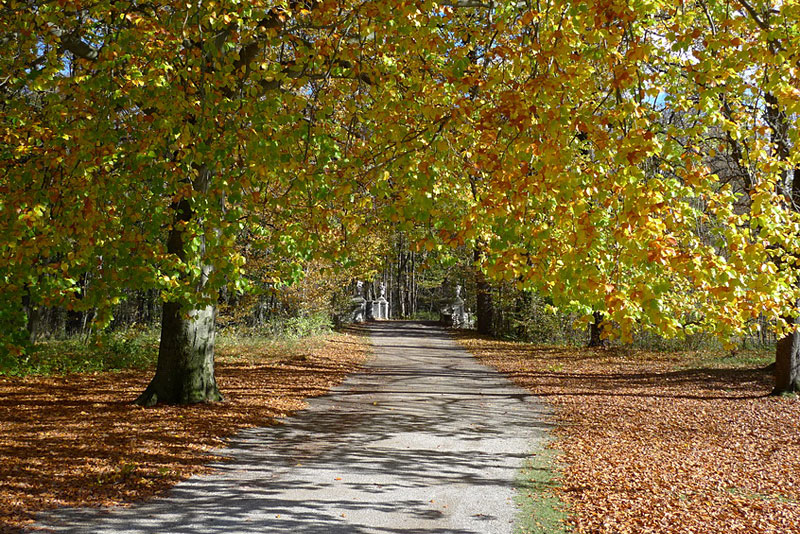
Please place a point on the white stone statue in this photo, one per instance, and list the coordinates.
(358, 304)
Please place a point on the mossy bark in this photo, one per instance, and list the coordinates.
(185, 372)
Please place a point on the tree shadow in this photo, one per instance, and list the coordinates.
(425, 439)
(555, 371)
(77, 439)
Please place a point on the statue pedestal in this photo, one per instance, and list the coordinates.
(380, 309)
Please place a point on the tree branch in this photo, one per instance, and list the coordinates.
(69, 41)
(761, 24)
(467, 3)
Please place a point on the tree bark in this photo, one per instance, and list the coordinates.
(483, 299)
(185, 372)
(595, 339)
(787, 364)
(522, 303)
(185, 369)
(35, 314)
(787, 350)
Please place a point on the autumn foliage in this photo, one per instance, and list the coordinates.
(634, 159)
(77, 440)
(658, 443)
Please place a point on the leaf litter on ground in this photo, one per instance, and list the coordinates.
(663, 443)
(76, 440)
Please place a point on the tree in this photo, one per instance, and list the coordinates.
(777, 39)
(740, 71)
(182, 122)
(567, 144)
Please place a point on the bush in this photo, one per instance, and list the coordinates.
(304, 326)
(425, 315)
(284, 328)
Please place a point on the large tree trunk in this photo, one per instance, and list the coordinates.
(787, 364)
(185, 369)
(185, 372)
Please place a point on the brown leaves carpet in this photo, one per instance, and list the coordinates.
(77, 440)
(651, 446)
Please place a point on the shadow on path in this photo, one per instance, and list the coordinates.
(425, 439)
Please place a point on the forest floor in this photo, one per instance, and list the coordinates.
(663, 442)
(76, 440)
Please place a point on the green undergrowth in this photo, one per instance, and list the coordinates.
(134, 348)
(282, 330)
(137, 347)
(254, 346)
(276, 338)
(540, 509)
(294, 328)
(425, 315)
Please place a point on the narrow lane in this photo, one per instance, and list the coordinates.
(425, 439)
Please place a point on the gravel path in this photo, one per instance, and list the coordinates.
(426, 439)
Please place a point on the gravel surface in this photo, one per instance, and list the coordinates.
(425, 439)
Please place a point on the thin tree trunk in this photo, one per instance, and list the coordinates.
(521, 305)
(595, 331)
(409, 284)
(414, 289)
(483, 297)
(34, 323)
(787, 351)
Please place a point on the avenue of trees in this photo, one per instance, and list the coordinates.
(634, 162)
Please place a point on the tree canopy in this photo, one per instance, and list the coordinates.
(633, 158)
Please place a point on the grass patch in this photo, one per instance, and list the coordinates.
(278, 339)
(754, 358)
(259, 347)
(540, 509)
(284, 328)
(762, 497)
